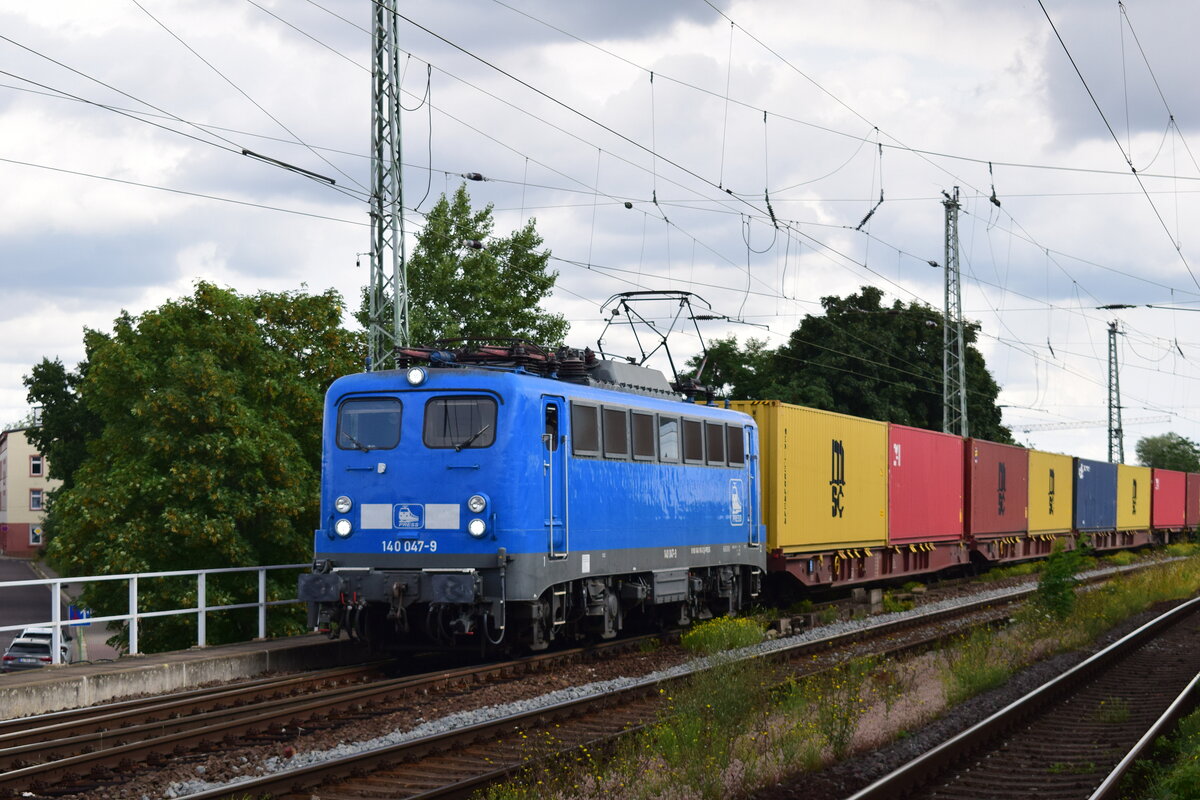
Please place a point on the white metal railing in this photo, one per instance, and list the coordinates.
(201, 610)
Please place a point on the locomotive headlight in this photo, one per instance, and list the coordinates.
(343, 527)
(343, 504)
(415, 376)
(477, 503)
(477, 528)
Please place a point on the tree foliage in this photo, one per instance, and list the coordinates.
(458, 291)
(207, 447)
(66, 423)
(1169, 451)
(861, 358)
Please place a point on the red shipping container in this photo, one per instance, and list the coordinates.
(997, 489)
(925, 485)
(1168, 498)
(1191, 512)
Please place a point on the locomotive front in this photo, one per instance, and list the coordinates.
(414, 468)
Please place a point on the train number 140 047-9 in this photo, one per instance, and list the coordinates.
(409, 546)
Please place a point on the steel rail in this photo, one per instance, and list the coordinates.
(940, 758)
(1109, 787)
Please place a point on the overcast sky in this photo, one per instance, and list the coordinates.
(122, 124)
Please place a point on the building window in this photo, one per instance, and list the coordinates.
(35, 499)
(35, 466)
(35, 536)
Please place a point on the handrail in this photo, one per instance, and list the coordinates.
(201, 610)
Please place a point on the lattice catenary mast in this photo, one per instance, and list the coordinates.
(1116, 436)
(387, 294)
(954, 346)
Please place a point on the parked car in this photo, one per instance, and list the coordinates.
(45, 634)
(30, 653)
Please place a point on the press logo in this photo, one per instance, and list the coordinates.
(837, 480)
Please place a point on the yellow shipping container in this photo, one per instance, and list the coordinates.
(824, 477)
(1133, 498)
(1051, 492)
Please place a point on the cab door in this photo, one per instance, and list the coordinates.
(754, 495)
(554, 476)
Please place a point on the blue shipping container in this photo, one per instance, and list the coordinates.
(1095, 495)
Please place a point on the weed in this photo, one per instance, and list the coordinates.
(722, 633)
(975, 665)
(801, 607)
(1067, 768)
(829, 614)
(1114, 710)
(891, 605)
(836, 700)
(649, 645)
(1056, 589)
(1183, 549)
(1173, 769)
(1122, 558)
(912, 586)
(1014, 571)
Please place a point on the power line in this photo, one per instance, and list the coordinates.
(1117, 140)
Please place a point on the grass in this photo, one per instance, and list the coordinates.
(980, 661)
(1173, 770)
(737, 727)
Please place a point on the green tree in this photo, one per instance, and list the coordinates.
(460, 291)
(208, 451)
(861, 358)
(1169, 451)
(66, 423)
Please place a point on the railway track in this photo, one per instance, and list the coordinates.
(81, 751)
(77, 751)
(454, 762)
(1073, 737)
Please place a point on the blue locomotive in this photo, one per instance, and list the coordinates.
(506, 496)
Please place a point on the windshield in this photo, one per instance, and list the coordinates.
(369, 424)
(29, 649)
(460, 422)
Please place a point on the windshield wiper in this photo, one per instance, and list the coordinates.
(458, 447)
(357, 444)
